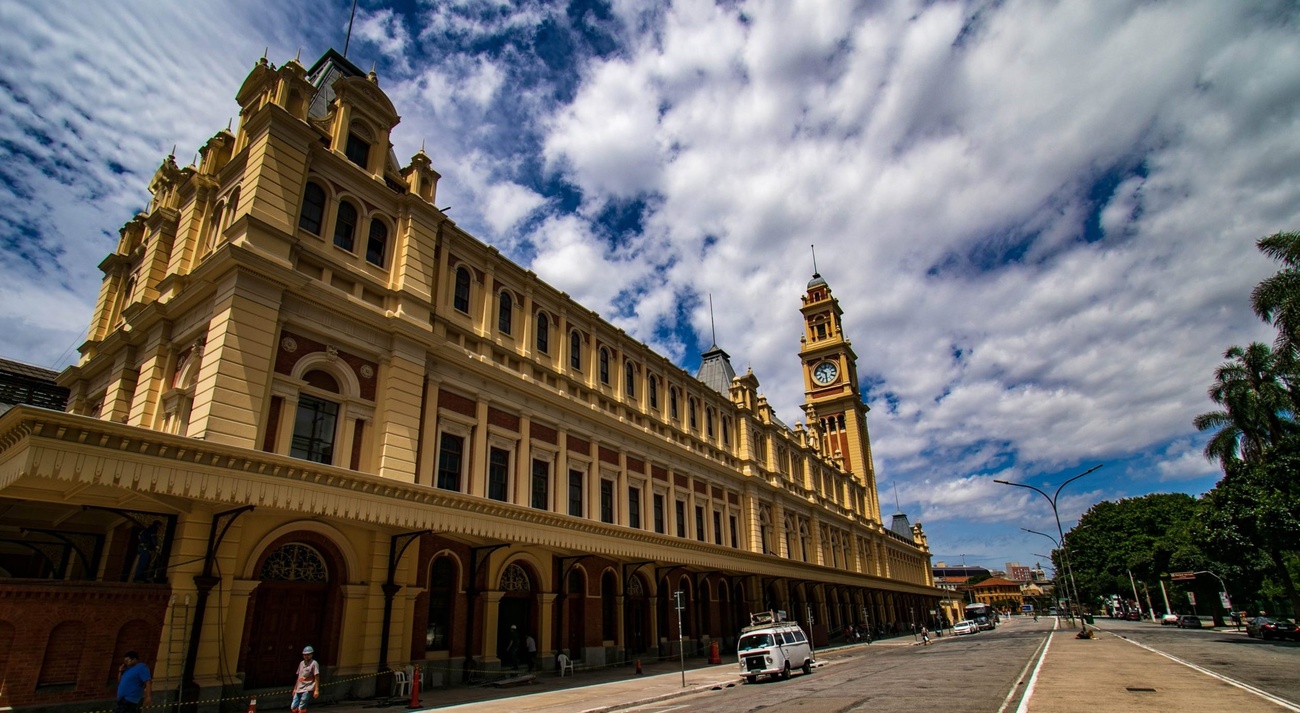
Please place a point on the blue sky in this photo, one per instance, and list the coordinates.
(1039, 218)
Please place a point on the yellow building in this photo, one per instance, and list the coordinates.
(312, 410)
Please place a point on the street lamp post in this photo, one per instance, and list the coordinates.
(1065, 553)
(1071, 587)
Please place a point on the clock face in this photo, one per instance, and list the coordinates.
(825, 372)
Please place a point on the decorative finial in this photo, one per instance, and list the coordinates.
(195, 162)
(298, 57)
(172, 155)
(421, 145)
(230, 122)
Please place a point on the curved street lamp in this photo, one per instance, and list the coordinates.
(1065, 553)
(1071, 585)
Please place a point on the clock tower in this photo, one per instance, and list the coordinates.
(832, 399)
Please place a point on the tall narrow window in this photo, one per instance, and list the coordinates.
(604, 365)
(672, 401)
(575, 492)
(450, 451)
(629, 378)
(541, 486)
(659, 513)
(313, 208)
(575, 350)
(505, 312)
(345, 226)
(654, 391)
(358, 150)
(690, 412)
(717, 527)
(377, 243)
(607, 501)
(634, 507)
(681, 518)
(699, 523)
(543, 333)
(498, 473)
(735, 542)
(708, 421)
(313, 430)
(726, 431)
(461, 300)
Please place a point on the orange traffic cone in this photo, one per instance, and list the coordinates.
(415, 689)
(714, 656)
(252, 705)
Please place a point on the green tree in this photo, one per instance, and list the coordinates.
(1147, 536)
(1277, 299)
(1253, 389)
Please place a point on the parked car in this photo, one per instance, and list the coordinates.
(1268, 628)
(1189, 621)
(965, 626)
(1133, 615)
(1168, 619)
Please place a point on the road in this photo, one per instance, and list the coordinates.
(984, 672)
(970, 673)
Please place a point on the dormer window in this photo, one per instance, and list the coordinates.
(358, 150)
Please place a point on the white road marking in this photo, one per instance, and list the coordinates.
(1033, 680)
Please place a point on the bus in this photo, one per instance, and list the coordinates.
(982, 614)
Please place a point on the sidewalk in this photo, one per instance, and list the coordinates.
(1109, 673)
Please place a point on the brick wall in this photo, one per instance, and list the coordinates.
(61, 642)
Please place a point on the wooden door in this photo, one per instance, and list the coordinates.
(286, 617)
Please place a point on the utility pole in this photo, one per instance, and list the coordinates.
(680, 597)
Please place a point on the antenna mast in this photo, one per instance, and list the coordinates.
(348, 39)
(896, 504)
(814, 253)
(713, 327)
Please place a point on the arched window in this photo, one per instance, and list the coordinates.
(505, 312)
(461, 300)
(313, 208)
(377, 242)
(442, 586)
(726, 431)
(315, 424)
(604, 365)
(708, 421)
(629, 378)
(345, 226)
(690, 412)
(672, 401)
(543, 333)
(575, 349)
(295, 562)
(654, 391)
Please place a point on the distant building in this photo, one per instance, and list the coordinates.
(1018, 572)
(999, 592)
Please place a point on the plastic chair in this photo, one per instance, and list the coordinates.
(564, 663)
(401, 684)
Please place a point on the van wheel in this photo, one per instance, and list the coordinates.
(749, 679)
(785, 672)
(807, 666)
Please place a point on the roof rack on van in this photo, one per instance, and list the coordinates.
(766, 617)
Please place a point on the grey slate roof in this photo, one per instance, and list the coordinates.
(715, 370)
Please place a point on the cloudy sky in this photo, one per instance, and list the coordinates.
(1038, 217)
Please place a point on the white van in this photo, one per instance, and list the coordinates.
(771, 646)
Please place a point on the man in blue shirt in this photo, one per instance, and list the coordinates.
(134, 684)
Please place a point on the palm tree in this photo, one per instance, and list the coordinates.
(1253, 388)
(1277, 299)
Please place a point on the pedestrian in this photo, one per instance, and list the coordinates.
(134, 684)
(925, 636)
(512, 648)
(307, 686)
(530, 650)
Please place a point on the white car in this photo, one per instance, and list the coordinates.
(1169, 620)
(965, 627)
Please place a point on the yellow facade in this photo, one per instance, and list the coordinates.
(333, 398)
